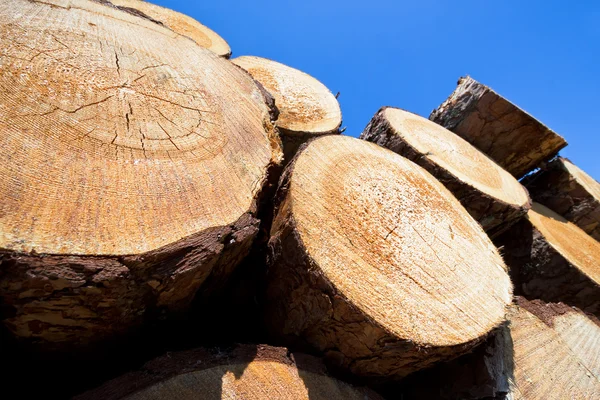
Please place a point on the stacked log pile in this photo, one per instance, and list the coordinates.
(150, 186)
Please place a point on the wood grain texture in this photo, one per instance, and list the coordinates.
(177, 22)
(244, 372)
(489, 193)
(307, 107)
(566, 189)
(511, 137)
(131, 165)
(373, 262)
(553, 260)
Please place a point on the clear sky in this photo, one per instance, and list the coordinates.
(542, 55)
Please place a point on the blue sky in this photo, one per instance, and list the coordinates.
(542, 55)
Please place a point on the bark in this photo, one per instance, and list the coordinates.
(511, 137)
(494, 215)
(539, 271)
(561, 191)
(286, 375)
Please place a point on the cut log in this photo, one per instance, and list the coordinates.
(570, 192)
(490, 194)
(553, 260)
(246, 372)
(376, 264)
(514, 139)
(306, 107)
(547, 351)
(131, 165)
(177, 22)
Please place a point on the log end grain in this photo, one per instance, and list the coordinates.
(490, 194)
(248, 372)
(372, 262)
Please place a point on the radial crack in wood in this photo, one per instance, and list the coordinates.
(376, 264)
(131, 165)
(553, 260)
(177, 22)
(489, 193)
(307, 108)
(245, 372)
(566, 189)
(514, 139)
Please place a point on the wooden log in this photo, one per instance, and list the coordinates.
(553, 260)
(490, 194)
(376, 264)
(245, 372)
(546, 351)
(570, 192)
(514, 139)
(177, 22)
(129, 179)
(306, 107)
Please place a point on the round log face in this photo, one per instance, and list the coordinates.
(457, 156)
(578, 248)
(305, 104)
(181, 24)
(396, 244)
(119, 136)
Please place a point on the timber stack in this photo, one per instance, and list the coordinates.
(146, 179)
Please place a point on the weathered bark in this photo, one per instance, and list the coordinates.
(491, 195)
(514, 139)
(363, 270)
(244, 372)
(126, 185)
(307, 108)
(177, 22)
(568, 191)
(546, 351)
(553, 260)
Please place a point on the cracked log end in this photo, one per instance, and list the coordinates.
(245, 372)
(566, 189)
(125, 182)
(307, 108)
(376, 264)
(489, 193)
(511, 137)
(177, 22)
(553, 260)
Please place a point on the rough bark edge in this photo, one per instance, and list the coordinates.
(554, 187)
(494, 215)
(547, 312)
(174, 364)
(539, 271)
(452, 112)
(293, 140)
(170, 276)
(286, 240)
